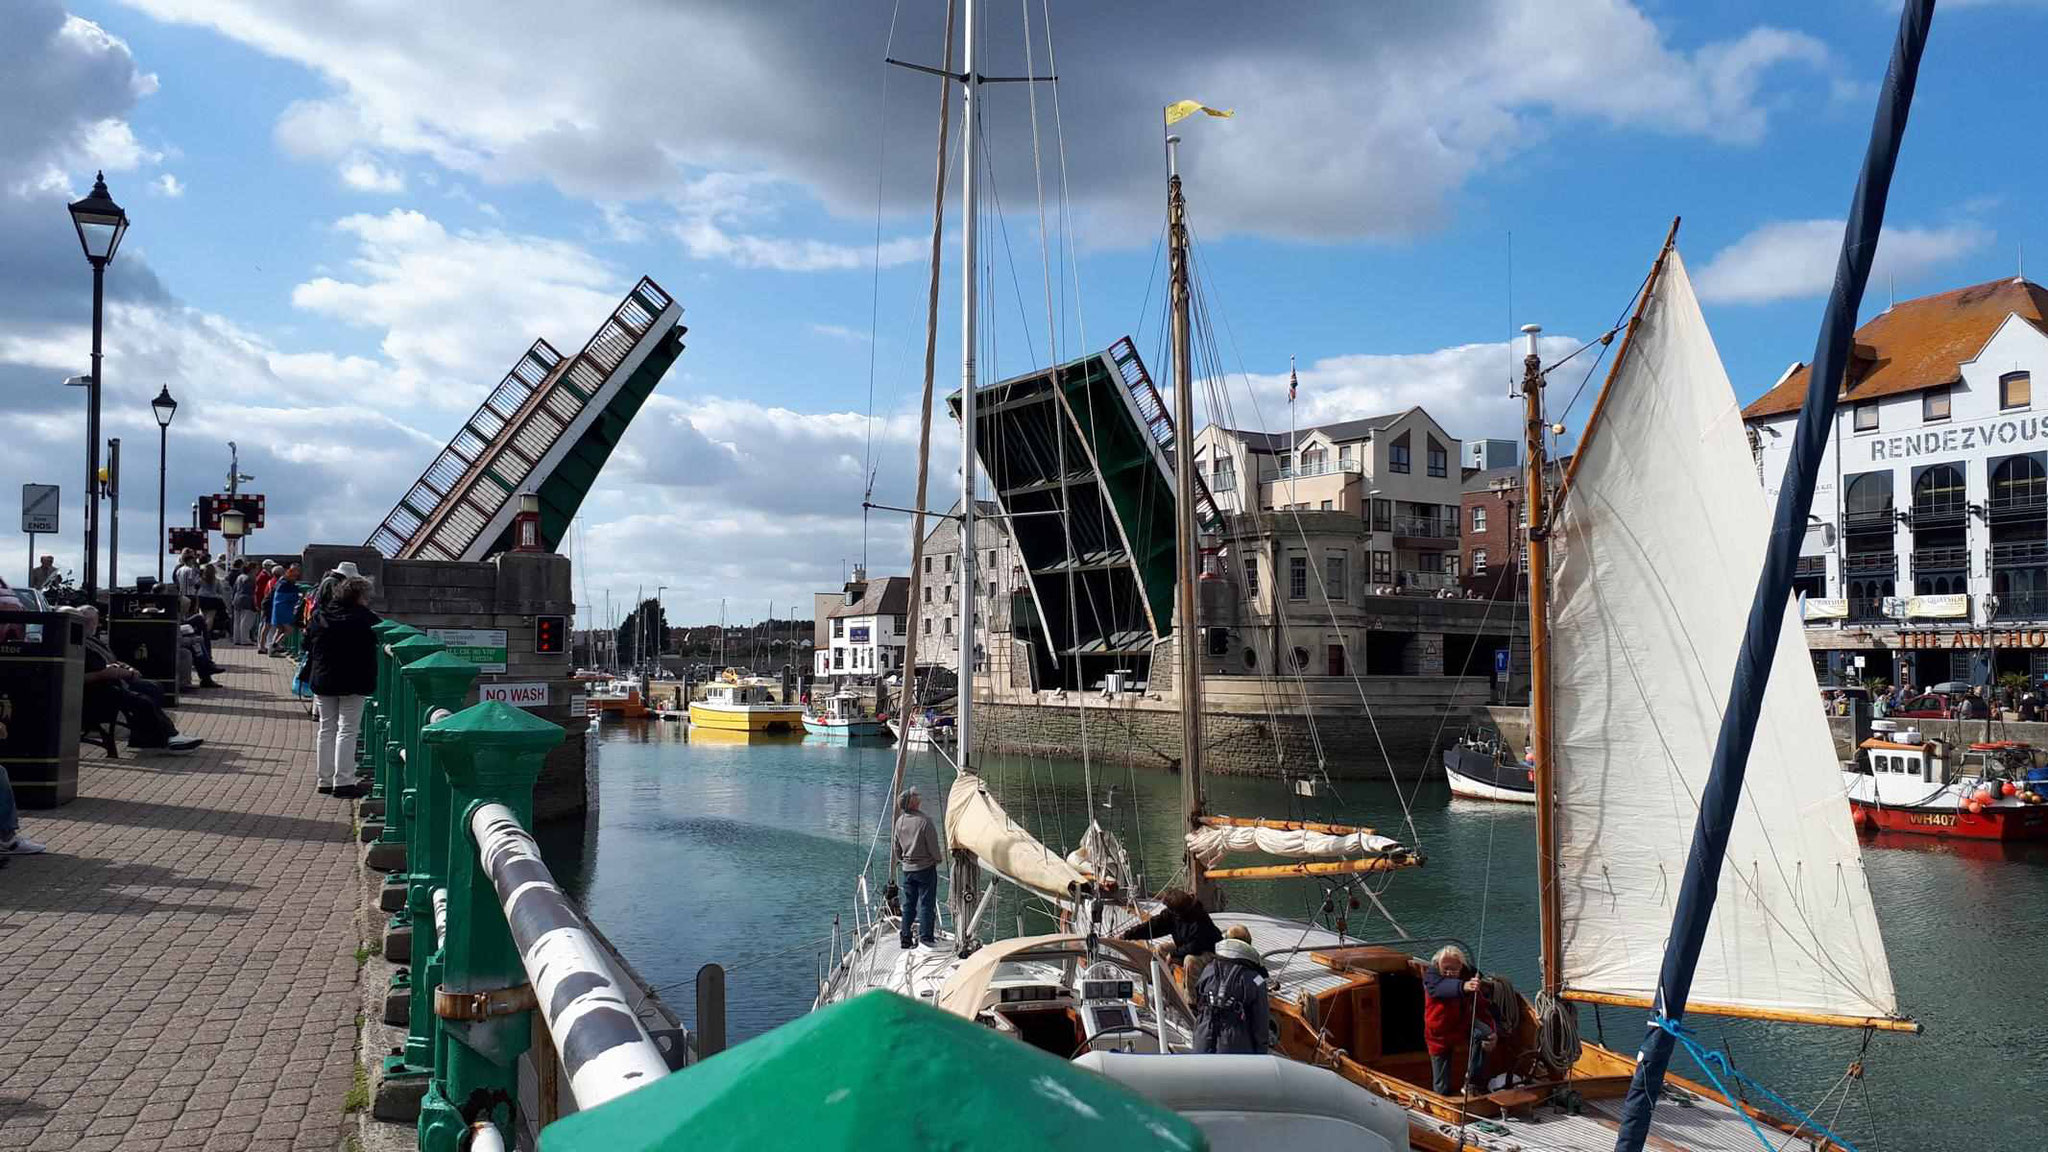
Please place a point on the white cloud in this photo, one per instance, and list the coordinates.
(1358, 121)
(1791, 259)
(366, 175)
(705, 240)
(841, 332)
(448, 302)
(168, 185)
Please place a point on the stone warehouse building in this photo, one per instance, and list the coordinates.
(1927, 554)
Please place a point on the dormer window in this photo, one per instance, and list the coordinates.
(2015, 390)
(1934, 404)
(1865, 416)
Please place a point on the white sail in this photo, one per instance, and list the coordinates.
(1661, 535)
(1210, 844)
(976, 823)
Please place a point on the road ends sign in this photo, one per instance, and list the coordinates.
(39, 504)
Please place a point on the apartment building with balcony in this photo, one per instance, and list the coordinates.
(1396, 477)
(1927, 553)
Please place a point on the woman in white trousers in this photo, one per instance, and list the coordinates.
(341, 668)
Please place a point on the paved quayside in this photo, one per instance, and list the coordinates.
(180, 971)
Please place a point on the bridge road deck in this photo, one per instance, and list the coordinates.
(180, 970)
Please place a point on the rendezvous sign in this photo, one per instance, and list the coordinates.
(2007, 431)
(483, 647)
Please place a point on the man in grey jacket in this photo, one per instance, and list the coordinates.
(917, 852)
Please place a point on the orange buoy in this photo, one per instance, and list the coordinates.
(1984, 795)
(2009, 788)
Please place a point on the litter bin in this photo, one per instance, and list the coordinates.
(142, 629)
(42, 691)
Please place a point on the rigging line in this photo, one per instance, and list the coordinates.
(875, 286)
(1070, 257)
(1605, 340)
(1407, 809)
(1823, 958)
(1009, 259)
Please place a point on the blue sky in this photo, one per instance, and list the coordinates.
(349, 219)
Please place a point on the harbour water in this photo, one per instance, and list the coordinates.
(742, 854)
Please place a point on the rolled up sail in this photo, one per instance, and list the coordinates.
(1661, 506)
(976, 823)
(1212, 843)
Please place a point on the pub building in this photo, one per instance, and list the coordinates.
(1927, 550)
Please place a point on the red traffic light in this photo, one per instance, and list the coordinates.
(550, 635)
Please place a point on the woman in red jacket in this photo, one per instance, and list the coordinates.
(1454, 1012)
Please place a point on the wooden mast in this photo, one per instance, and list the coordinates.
(1536, 527)
(1185, 545)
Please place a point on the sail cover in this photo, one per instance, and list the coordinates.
(976, 823)
(1658, 540)
(1210, 844)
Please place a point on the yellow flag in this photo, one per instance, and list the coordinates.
(1180, 110)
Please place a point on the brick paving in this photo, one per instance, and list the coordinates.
(179, 971)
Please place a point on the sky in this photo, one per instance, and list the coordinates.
(350, 218)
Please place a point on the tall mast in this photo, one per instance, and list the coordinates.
(970, 110)
(1186, 546)
(1536, 528)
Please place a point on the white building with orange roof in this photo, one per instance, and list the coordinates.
(1927, 555)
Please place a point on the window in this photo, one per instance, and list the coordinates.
(927, 588)
(1934, 404)
(1439, 459)
(1297, 577)
(1382, 567)
(1344, 456)
(839, 658)
(1397, 458)
(927, 565)
(1301, 659)
(1451, 565)
(1251, 579)
(949, 561)
(1312, 461)
(902, 623)
(1479, 561)
(2015, 390)
(949, 625)
(1251, 657)
(927, 625)
(1382, 515)
(838, 627)
(1478, 519)
(991, 562)
(1328, 506)
(1333, 576)
(949, 592)
(1866, 416)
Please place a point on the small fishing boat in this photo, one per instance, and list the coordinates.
(735, 705)
(843, 716)
(1900, 782)
(1480, 767)
(929, 730)
(619, 699)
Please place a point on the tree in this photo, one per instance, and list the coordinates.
(646, 621)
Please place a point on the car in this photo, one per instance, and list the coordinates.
(1931, 706)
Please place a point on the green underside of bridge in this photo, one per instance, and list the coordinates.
(1143, 499)
(561, 495)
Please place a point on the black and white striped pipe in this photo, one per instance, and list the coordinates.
(606, 1052)
(441, 914)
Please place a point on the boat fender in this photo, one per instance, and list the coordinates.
(2009, 788)
(1972, 807)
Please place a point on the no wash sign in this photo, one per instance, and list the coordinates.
(517, 695)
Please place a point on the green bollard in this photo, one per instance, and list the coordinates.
(437, 681)
(404, 731)
(489, 753)
(390, 632)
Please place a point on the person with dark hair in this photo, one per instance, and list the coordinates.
(1185, 919)
(283, 609)
(341, 668)
(116, 689)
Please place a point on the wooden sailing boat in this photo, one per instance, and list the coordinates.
(1632, 646)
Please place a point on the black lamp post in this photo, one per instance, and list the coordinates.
(101, 223)
(165, 408)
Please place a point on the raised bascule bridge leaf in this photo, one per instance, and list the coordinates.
(547, 428)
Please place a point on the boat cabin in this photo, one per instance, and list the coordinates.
(844, 707)
(1045, 991)
(738, 695)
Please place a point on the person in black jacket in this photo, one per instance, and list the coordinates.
(1231, 1010)
(341, 668)
(1187, 921)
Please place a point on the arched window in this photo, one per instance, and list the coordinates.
(1938, 490)
(2019, 482)
(1869, 496)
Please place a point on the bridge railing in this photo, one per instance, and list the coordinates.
(493, 940)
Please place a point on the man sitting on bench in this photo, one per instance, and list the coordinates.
(115, 689)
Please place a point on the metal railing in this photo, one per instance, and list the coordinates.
(1863, 563)
(1432, 527)
(493, 939)
(1151, 409)
(2022, 605)
(1940, 560)
(1866, 608)
(2019, 554)
(1302, 472)
(1869, 519)
(2018, 505)
(1939, 509)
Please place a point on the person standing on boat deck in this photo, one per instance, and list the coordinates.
(1231, 1011)
(1454, 1012)
(917, 851)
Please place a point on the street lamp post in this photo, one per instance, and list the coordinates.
(164, 407)
(114, 494)
(100, 223)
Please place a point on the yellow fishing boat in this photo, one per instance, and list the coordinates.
(732, 706)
